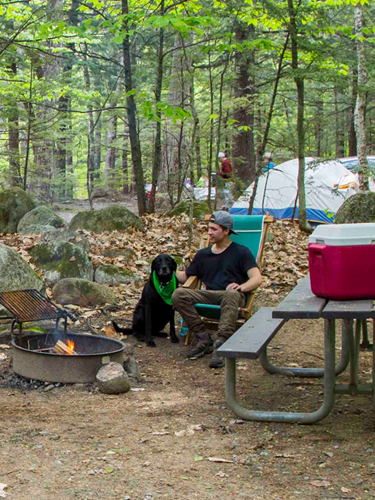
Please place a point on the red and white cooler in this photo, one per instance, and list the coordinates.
(342, 261)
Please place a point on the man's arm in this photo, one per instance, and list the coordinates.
(181, 276)
(255, 279)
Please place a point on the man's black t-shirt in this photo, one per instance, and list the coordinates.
(217, 271)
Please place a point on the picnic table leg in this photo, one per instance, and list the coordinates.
(284, 416)
(312, 372)
(354, 340)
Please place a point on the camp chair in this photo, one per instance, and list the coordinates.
(252, 230)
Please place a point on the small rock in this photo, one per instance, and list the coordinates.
(49, 387)
(112, 379)
(132, 369)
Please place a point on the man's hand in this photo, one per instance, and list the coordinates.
(234, 286)
(255, 279)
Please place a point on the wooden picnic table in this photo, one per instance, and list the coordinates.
(301, 303)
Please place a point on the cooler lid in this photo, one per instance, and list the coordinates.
(340, 235)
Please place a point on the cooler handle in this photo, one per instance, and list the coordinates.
(318, 249)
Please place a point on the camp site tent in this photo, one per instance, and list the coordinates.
(327, 185)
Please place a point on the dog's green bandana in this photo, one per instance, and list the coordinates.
(165, 291)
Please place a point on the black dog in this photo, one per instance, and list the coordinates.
(152, 313)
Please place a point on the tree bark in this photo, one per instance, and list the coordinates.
(303, 223)
(352, 137)
(156, 164)
(243, 141)
(260, 151)
(339, 126)
(360, 108)
(132, 113)
(14, 140)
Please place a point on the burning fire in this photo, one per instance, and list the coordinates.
(70, 346)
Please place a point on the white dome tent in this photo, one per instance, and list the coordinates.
(327, 185)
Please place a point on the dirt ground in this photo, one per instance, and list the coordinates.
(72, 442)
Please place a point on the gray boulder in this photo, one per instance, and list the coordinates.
(111, 275)
(62, 259)
(35, 229)
(40, 216)
(83, 293)
(14, 204)
(112, 218)
(15, 273)
(358, 208)
(112, 379)
(55, 235)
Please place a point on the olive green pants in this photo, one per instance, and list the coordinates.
(229, 301)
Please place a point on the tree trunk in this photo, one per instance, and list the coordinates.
(260, 151)
(124, 162)
(318, 126)
(303, 223)
(90, 136)
(110, 158)
(132, 113)
(14, 140)
(352, 137)
(156, 164)
(243, 141)
(360, 108)
(339, 126)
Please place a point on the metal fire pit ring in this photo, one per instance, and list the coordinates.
(94, 351)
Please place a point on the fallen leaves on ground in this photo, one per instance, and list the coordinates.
(285, 258)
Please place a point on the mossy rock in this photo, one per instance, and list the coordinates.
(14, 204)
(358, 208)
(40, 216)
(15, 272)
(112, 218)
(111, 275)
(61, 260)
(83, 293)
(201, 208)
(35, 229)
(53, 235)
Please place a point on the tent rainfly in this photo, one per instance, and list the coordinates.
(327, 185)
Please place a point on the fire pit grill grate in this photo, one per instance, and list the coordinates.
(31, 305)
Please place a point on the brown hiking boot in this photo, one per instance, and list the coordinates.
(202, 345)
(216, 361)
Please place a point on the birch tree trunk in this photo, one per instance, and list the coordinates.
(360, 108)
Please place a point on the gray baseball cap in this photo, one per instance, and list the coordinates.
(223, 219)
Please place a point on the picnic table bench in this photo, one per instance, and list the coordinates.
(251, 341)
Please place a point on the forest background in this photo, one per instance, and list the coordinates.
(118, 94)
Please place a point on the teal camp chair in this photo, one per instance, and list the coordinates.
(252, 230)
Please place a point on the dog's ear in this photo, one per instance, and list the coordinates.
(174, 265)
(153, 265)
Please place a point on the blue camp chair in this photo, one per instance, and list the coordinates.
(252, 230)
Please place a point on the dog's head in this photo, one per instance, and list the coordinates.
(164, 266)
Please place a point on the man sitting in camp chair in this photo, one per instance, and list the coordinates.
(229, 271)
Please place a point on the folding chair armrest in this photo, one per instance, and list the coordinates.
(192, 282)
(245, 312)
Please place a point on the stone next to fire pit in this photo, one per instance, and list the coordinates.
(112, 379)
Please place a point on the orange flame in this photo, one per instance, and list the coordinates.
(71, 346)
